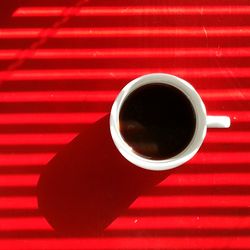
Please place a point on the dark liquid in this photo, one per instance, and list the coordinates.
(157, 121)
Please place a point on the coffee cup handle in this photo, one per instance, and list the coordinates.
(218, 121)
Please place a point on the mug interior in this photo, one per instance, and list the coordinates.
(200, 128)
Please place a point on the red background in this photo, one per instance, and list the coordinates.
(62, 64)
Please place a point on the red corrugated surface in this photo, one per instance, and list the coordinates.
(62, 64)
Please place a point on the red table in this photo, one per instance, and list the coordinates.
(62, 64)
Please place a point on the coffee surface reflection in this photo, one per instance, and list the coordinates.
(157, 121)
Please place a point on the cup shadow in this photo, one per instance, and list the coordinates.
(89, 184)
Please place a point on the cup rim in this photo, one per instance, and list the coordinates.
(200, 129)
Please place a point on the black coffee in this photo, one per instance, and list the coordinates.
(157, 121)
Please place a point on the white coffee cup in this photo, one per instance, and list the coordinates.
(203, 121)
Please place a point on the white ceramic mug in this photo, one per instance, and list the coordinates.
(203, 121)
